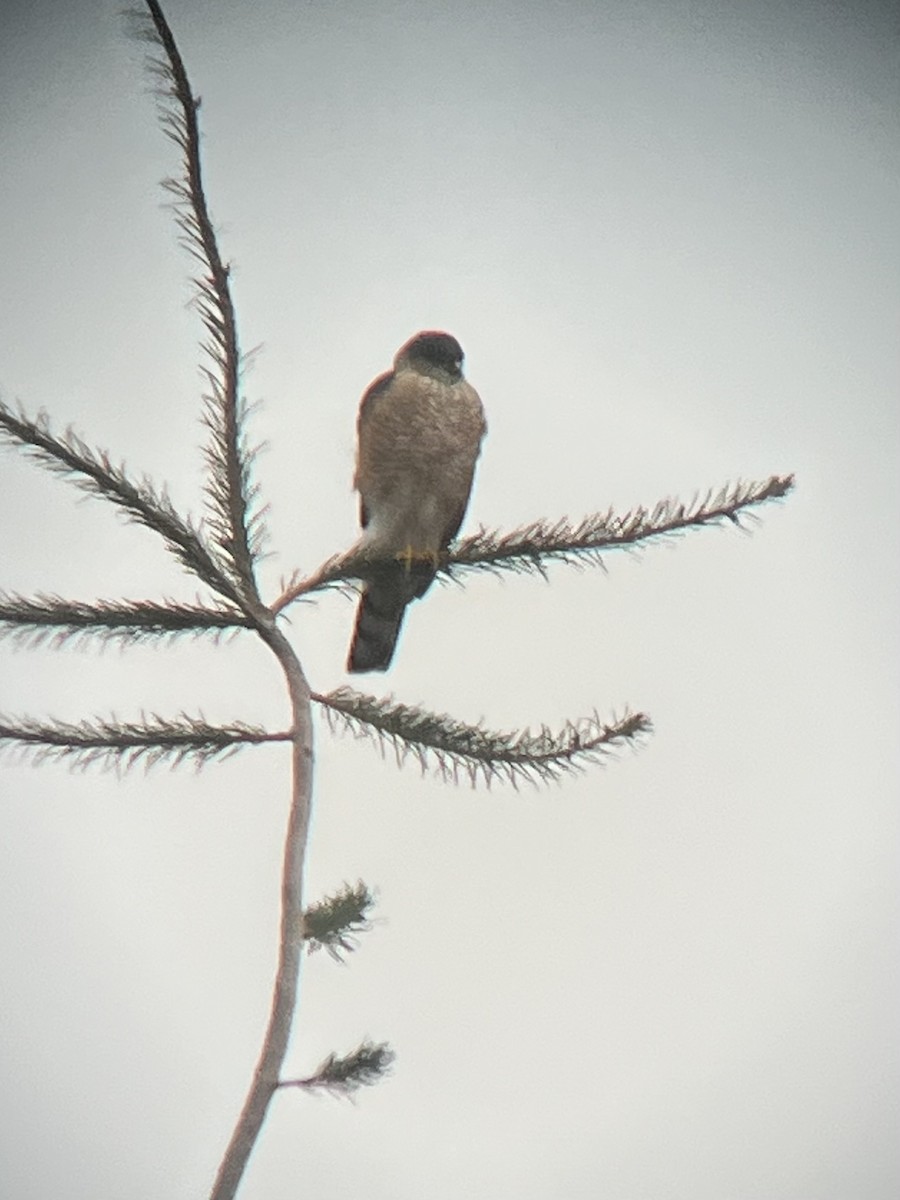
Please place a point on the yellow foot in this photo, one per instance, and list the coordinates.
(409, 556)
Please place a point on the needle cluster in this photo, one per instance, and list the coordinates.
(346, 1074)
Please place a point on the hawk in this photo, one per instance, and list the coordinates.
(419, 431)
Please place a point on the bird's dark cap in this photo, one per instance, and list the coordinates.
(435, 348)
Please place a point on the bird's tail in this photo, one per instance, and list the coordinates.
(380, 616)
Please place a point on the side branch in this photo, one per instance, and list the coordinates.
(531, 548)
(35, 620)
(91, 470)
(453, 749)
(150, 742)
(229, 491)
(335, 923)
(528, 549)
(344, 1075)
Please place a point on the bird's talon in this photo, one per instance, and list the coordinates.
(408, 558)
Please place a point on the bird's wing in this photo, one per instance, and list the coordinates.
(377, 388)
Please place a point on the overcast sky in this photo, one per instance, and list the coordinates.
(666, 236)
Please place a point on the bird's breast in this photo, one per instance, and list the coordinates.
(417, 452)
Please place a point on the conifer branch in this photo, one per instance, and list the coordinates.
(577, 543)
(365, 1065)
(580, 544)
(34, 621)
(334, 924)
(92, 471)
(454, 750)
(235, 520)
(150, 742)
(340, 572)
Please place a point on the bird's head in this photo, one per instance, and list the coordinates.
(432, 353)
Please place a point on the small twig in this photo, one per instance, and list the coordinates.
(68, 455)
(38, 619)
(457, 750)
(342, 1076)
(335, 923)
(150, 742)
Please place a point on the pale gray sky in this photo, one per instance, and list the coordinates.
(665, 234)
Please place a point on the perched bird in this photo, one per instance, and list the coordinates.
(419, 432)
